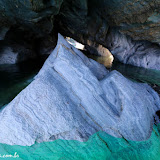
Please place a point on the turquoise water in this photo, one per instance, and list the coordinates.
(100, 146)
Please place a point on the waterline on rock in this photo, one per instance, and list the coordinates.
(99, 146)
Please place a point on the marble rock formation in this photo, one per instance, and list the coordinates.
(91, 21)
(85, 21)
(137, 53)
(29, 14)
(73, 97)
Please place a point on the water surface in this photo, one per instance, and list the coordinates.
(15, 77)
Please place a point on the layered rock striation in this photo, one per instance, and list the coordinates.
(137, 53)
(89, 22)
(73, 97)
(136, 37)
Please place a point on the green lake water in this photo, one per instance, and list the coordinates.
(100, 146)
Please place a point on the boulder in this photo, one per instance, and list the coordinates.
(73, 97)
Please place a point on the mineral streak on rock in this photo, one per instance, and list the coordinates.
(73, 97)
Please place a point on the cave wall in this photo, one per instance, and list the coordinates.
(26, 29)
(138, 19)
(134, 23)
(129, 29)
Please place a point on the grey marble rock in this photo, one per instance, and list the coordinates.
(91, 21)
(137, 53)
(73, 97)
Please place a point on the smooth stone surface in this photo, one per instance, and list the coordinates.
(74, 97)
(91, 21)
(137, 53)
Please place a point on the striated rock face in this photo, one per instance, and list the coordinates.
(91, 21)
(137, 53)
(138, 19)
(29, 14)
(73, 97)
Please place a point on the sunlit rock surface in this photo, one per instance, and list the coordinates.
(73, 97)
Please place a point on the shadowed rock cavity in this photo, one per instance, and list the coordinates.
(73, 97)
(26, 29)
(29, 14)
(138, 53)
(88, 22)
(93, 22)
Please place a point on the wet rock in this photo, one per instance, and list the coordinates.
(73, 97)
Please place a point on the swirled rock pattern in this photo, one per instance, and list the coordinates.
(90, 23)
(73, 97)
(137, 53)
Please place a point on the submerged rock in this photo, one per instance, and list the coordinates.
(73, 97)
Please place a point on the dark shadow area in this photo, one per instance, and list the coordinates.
(16, 77)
